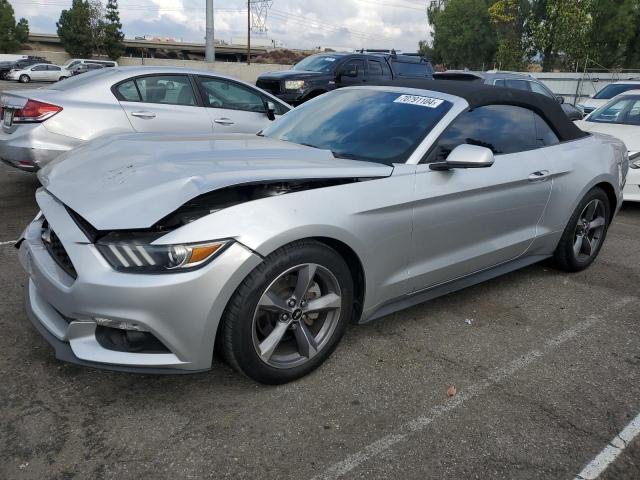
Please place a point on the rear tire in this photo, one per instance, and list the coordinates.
(585, 233)
(289, 314)
(62, 78)
(24, 79)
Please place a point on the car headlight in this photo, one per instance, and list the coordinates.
(293, 84)
(134, 253)
(634, 159)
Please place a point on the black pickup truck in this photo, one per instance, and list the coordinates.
(323, 72)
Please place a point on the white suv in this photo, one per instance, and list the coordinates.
(607, 93)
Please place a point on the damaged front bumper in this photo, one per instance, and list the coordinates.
(179, 311)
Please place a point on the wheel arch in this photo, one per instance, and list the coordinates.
(357, 271)
(610, 191)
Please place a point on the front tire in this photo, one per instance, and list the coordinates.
(289, 314)
(585, 233)
(61, 78)
(24, 79)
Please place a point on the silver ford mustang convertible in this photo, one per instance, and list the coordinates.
(151, 251)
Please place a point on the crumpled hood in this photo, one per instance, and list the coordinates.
(132, 181)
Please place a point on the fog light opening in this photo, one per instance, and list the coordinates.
(121, 325)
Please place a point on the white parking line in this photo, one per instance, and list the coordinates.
(374, 449)
(615, 447)
(10, 242)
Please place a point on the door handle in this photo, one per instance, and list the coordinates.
(143, 114)
(224, 121)
(539, 176)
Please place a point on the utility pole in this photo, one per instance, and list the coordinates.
(248, 32)
(210, 49)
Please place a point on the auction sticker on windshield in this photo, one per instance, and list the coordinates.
(419, 100)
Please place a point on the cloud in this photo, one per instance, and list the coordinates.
(297, 23)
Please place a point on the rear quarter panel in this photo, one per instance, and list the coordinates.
(577, 166)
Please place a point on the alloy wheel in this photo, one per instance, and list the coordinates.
(296, 316)
(589, 230)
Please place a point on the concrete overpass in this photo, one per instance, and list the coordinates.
(152, 49)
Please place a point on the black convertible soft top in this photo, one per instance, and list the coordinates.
(478, 95)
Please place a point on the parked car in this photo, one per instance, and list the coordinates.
(20, 64)
(152, 249)
(41, 124)
(321, 73)
(607, 93)
(85, 67)
(40, 72)
(510, 80)
(74, 62)
(621, 118)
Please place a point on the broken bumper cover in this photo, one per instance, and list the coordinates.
(181, 310)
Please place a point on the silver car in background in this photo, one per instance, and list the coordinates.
(151, 250)
(38, 125)
(40, 72)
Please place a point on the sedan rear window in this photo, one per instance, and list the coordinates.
(372, 125)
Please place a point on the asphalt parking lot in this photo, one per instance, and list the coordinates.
(546, 366)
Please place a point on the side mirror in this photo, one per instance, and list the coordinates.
(466, 156)
(271, 111)
(560, 99)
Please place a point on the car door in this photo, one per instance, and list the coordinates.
(162, 103)
(38, 73)
(233, 107)
(467, 220)
(351, 73)
(377, 70)
(53, 73)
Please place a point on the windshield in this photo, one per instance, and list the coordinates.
(316, 63)
(614, 89)
(359, 124)
(625, 110)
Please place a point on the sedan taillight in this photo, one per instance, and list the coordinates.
(35, 111)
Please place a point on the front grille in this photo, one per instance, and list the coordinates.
(57, 251)
(271, 86)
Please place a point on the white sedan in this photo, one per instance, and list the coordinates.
(40, 72)
(621, 118)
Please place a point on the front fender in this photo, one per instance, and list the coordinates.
(371, 217)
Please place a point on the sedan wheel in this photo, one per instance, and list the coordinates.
(24, 79)
(584, 235)
(589, 230)
(296, 316)
(289, 314)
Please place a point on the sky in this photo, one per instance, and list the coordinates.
(342, 24)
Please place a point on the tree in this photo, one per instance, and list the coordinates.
(22, 31)
(463, 35)
(11, 34)
(509, 18)
(560, 31)
(75, 29)
(113, 44)
(615, 26)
